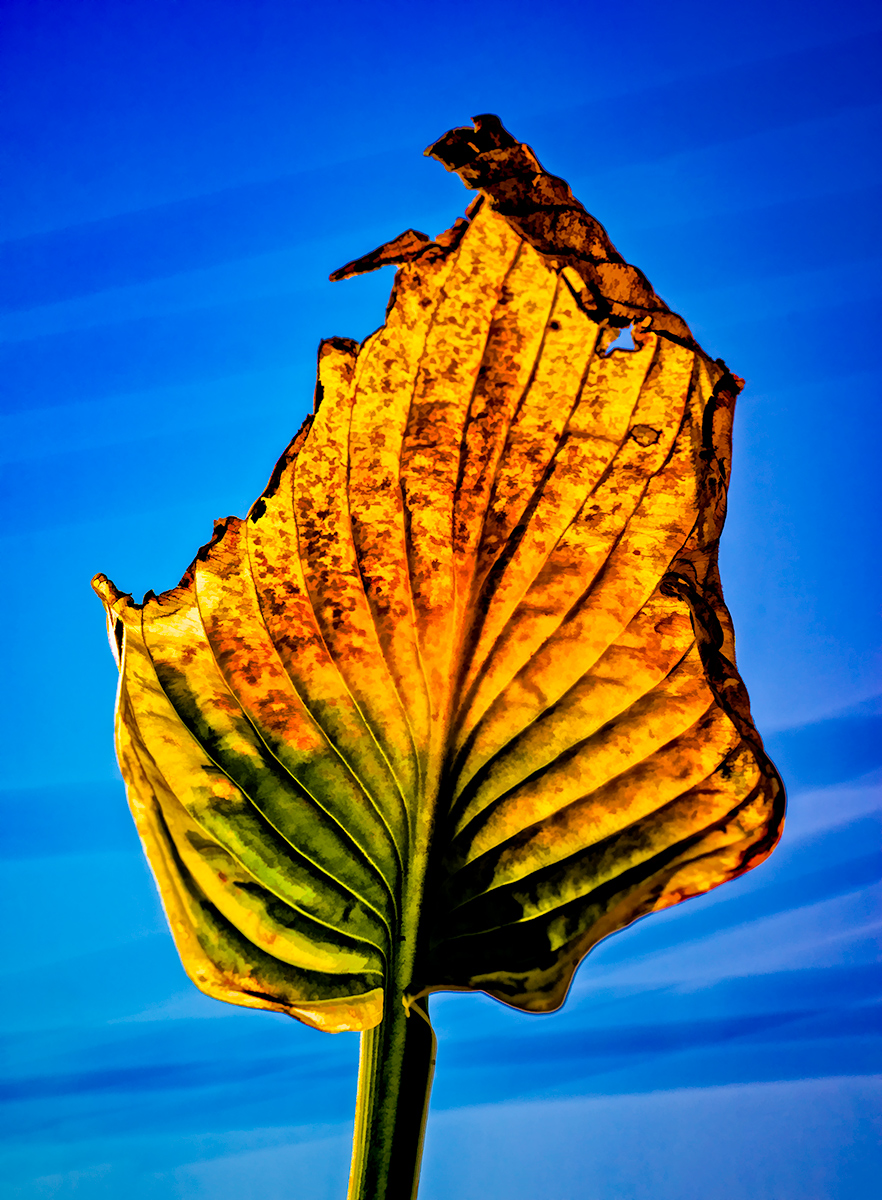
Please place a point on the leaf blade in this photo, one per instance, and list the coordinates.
(458, 698)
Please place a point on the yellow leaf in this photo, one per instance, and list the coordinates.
(458, 698)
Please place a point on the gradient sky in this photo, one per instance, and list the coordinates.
(180, 178)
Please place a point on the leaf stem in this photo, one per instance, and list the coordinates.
(394, 1081)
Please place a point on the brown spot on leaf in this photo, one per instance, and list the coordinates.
(645, 435)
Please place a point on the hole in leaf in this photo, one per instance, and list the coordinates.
(624, 341)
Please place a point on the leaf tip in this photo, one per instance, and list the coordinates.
(110, 596)
(405, 248)
(461, 145)
(106, 590)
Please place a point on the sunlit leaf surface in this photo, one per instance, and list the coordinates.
(461, 687)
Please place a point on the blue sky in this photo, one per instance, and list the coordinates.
(180, 179)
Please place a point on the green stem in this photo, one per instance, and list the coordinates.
(394, 1082)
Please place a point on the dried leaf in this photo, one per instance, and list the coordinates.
(458, 698)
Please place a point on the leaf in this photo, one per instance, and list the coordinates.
(457, 699)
